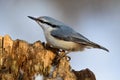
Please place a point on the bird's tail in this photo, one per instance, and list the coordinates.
(94, 45)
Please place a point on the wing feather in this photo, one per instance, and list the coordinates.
(68, 34)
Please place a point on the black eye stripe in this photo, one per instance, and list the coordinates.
(52, 25)
(41, 21)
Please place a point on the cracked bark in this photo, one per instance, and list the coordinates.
(20, 60)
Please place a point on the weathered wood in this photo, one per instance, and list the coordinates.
(20, 60)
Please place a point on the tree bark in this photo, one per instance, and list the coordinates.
(20, 60)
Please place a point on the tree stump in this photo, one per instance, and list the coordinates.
(20, 60)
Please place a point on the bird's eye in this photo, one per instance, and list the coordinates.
(41, 21)
(55, 26)
(52, 25)
(48, 23)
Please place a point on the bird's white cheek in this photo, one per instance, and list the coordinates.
(45, 27)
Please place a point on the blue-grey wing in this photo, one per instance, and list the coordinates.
(68, 34)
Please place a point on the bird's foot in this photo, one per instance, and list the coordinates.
(62, 54)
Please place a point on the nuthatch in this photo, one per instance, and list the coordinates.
(62, 36)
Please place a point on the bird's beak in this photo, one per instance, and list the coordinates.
(33, 18)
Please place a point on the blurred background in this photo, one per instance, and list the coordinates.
(98, 20)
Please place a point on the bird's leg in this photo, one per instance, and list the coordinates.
(65, 55)
(62, 54)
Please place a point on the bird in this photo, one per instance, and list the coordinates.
(62, 36)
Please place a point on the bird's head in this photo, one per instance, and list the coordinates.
(47, 22)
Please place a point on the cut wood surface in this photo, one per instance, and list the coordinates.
(20, 60)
